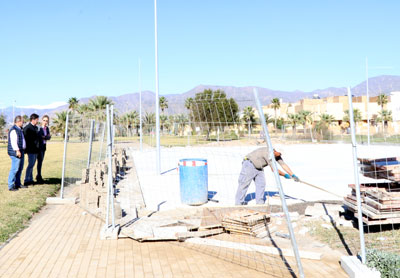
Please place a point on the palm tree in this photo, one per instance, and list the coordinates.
(73, 103)
(163, 122)
(182, 121)
(356, 114)
(294, 119)
(306, 118)
(249, 117)
(188, 103)
(99, 103)
(276, 104)
(163, 103)
(268, 118)
(59, 122)
(385, 116)
(149, 120)
(324, 123)
(382, 100)
(130, 120)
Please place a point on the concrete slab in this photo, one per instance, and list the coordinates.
(356, 269)
(109, 232)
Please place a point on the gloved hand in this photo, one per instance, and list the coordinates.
(296, 178)
(287, 176)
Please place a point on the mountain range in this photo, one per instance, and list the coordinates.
(243, 95)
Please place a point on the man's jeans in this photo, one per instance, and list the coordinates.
(31, 163)
(14, 178)
(249, 173)
(40, 158)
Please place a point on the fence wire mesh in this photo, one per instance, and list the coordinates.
(222, 132)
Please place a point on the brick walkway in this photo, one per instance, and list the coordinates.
(63, 241)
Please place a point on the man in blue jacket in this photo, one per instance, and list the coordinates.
(31, 133)
(15, 149)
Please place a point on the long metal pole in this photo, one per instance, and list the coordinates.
(102, 141)
(158, 157)
(140, 106)
(366, 74)
(90, 143)
(356, 177)
(279, 184)
(112, 124)
(64, 156)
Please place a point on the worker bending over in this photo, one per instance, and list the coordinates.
(252, 169)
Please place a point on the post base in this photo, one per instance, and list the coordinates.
(109, 232)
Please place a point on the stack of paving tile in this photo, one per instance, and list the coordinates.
(246, 221)
(380, 202)
(381, 168)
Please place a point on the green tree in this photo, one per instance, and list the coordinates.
(99, 103)
(385, 116)
(182, 120)
(294, 120)
(213, 109)
(306, 118)
(249, 117)
(324, 123)
(149, 121)
(3, 123)
(356, 114)
(73, 103)
(59, 122)
(188, 103)
(130, 120)
(163, 104)
(268, 118)
(25, 118)
(276, 104)
(382, 101)
(163, 122)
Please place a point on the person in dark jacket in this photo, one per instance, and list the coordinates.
(15, 149)
(44, 134)
(32, 138)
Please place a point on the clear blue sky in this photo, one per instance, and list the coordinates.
(53, 50)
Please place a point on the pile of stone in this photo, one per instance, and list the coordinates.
(94, 184)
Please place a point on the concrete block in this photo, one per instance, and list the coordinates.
(60, 201)
(356, 269)
(109, 232)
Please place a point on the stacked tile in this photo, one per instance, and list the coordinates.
(380, 202)
(381, 168)
(246, 221)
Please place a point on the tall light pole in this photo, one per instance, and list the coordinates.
(158, 166)
(140, 106)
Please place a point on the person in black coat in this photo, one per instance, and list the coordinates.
(44, 134)
(31, 134)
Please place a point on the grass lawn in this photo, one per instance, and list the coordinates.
(16, 208)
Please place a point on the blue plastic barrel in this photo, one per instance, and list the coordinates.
(193, 177)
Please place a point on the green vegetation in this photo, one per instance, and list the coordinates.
(387, 263)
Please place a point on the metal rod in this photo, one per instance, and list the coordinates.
(356, 177)
(279, 184)
(158, 156)
(64, 156)
(112, 124)
(90, 143)
(102, 141)
(109, 183)
(140, 106)
(368, 123)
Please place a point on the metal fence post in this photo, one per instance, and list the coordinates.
(90, 143)
(102, 141)
(112, 124)
(64, 156)
(279, 184)
(356, 177)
